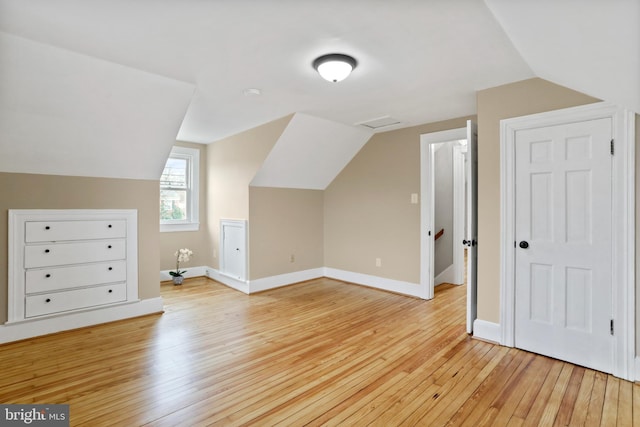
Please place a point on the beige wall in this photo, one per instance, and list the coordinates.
(367, 211)
(502, 102)
(283, 223)
(27, 191)
(231, 165)
(198, 241)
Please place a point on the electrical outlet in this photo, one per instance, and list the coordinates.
(378, 262)
(414, 198)
(292, 258)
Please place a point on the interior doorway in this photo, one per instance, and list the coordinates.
(448, 210)
(462, 214)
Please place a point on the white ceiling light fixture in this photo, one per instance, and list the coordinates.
(334, 67)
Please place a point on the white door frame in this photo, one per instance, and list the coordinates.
(426, 204)
(623, 235)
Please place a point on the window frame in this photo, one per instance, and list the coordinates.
(192, 223)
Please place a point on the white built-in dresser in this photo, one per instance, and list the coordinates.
(62, 262)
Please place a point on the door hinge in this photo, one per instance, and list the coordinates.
(612, 147)
(611, 327)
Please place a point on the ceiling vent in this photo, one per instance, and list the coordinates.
(380, 122)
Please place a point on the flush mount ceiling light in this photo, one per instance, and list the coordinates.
(334, 67)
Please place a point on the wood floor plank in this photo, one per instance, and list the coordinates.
(508, 401)
(534, 415)
(484, 411)
(555, 399)
(565, 411)
(459, 394)
(539, 372)
(625, 401)
(636, 405)
(610, 406)
(596, 403)
(321, 352)
(390, 406)
(581, 406)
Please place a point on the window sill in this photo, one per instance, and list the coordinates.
(169, 228)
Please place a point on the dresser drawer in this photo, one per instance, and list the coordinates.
(47, 255)
(51, 279)
(55, 231)
(56, 302)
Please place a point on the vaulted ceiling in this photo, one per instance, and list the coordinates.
(105, 87)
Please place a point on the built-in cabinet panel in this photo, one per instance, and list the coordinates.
(48, 279)
(61, 301)
(52, 231)
(64, 261)
(57, 253)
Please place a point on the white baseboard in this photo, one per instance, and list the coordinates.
(266, 283)
(448, 275)
(191, 272)
(284, 279)
(488, 331)
(263, 284)
(211, 273)
(238, 285)
(397, 286)
(33, 328)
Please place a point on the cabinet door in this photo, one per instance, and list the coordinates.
(233, 252)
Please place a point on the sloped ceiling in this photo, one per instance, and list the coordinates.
(591, 46)
(310, 153)
(63, 113)
(104, 87)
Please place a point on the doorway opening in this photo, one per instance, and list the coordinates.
(453, 152)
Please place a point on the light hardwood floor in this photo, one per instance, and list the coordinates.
(316, 353)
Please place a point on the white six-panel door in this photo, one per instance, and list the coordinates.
(563, 227)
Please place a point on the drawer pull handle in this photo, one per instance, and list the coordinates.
(48, 300)
(110, 268)
(110, 290)
(109, 225)
(46, 251)
(47, 228)
(109, 246)
(47, 276)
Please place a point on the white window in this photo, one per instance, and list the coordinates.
(179, 191)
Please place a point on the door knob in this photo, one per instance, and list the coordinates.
(524, 244)
(465, 242)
